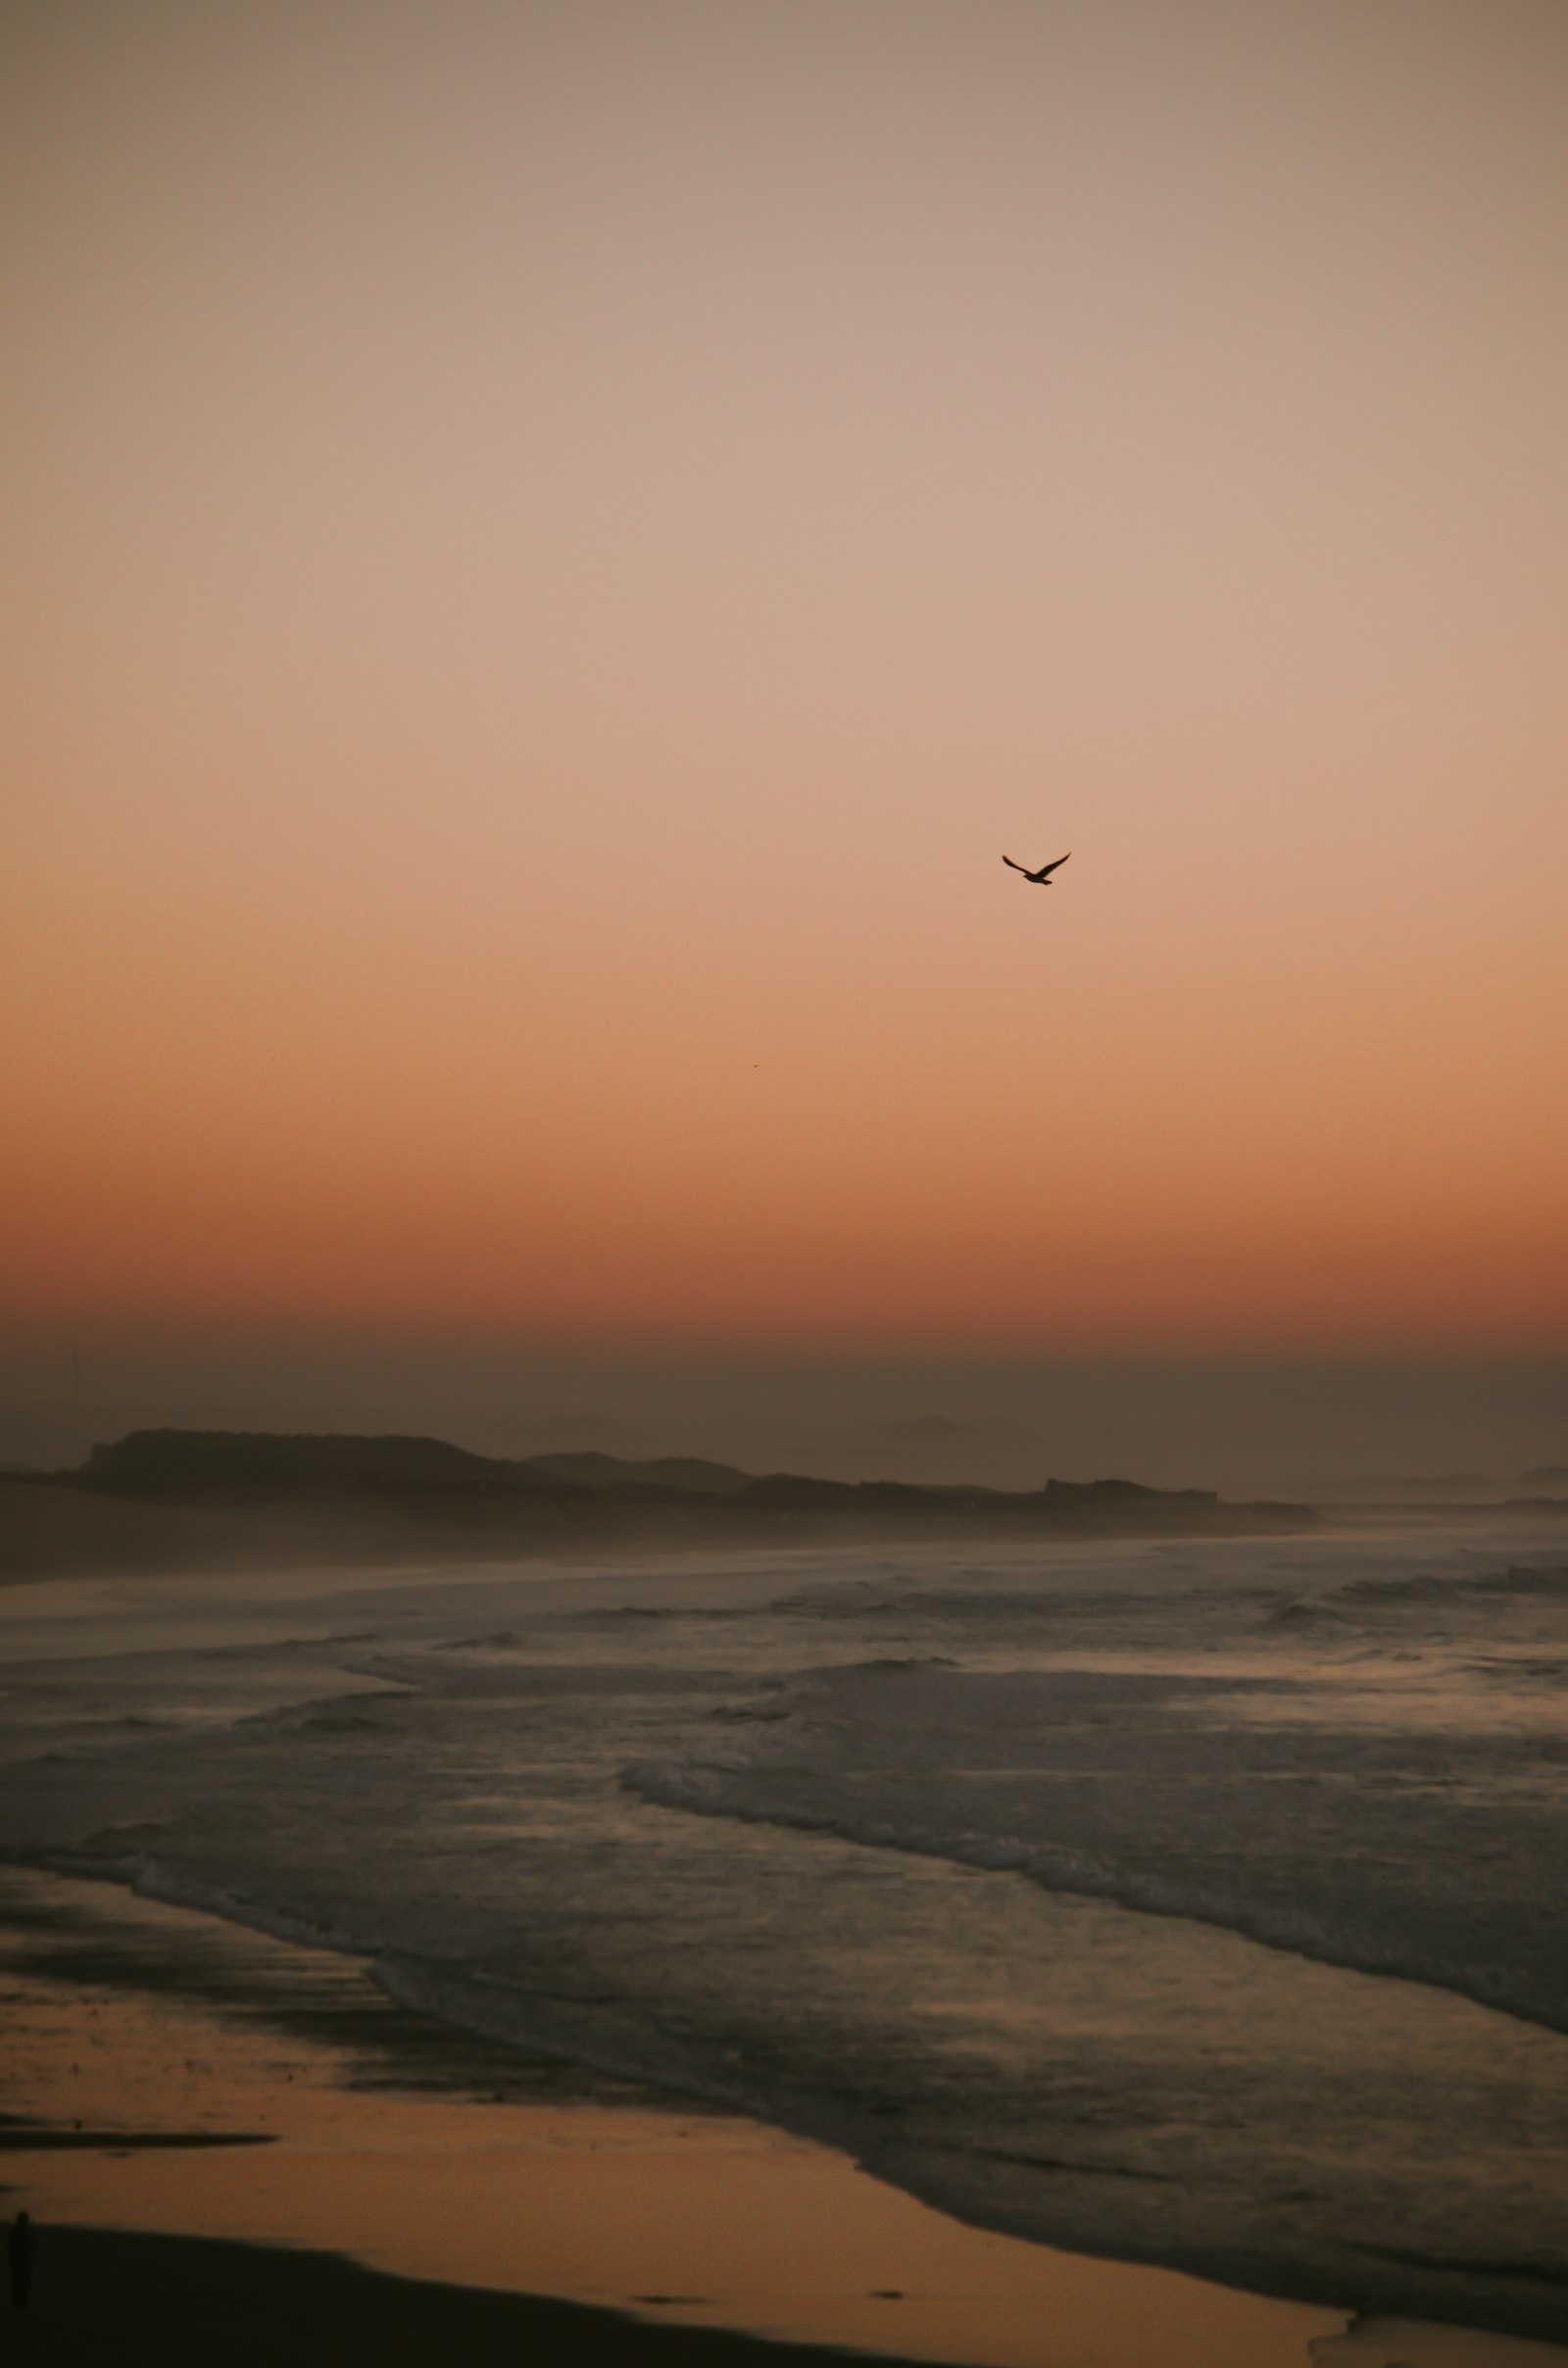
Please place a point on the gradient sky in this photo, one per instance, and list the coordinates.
(552, 547)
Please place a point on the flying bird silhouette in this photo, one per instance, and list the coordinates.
(1042, 877)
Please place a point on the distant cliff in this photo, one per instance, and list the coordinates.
(183, 1500)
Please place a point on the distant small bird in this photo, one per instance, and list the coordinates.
(1042, 877)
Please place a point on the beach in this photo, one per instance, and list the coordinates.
(270, 2160)
(292, 2162)
(535, 1959)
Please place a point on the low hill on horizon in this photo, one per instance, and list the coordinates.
(199, 1466)
(178, 1501)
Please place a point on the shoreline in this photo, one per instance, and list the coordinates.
(380, 2016)
(582, 2217)
(275, 2144)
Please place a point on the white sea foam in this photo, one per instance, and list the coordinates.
(1310, 1830)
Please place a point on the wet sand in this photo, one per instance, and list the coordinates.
(173, 2302)
(240, 2149)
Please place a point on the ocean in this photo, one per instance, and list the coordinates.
(1199, 1904)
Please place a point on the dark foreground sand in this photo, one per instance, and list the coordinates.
(103, 2298)
(188, 2301)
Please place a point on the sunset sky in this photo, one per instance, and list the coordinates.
(551, 550)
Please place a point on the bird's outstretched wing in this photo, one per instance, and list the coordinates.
(1006, 858)
(1045, 869)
